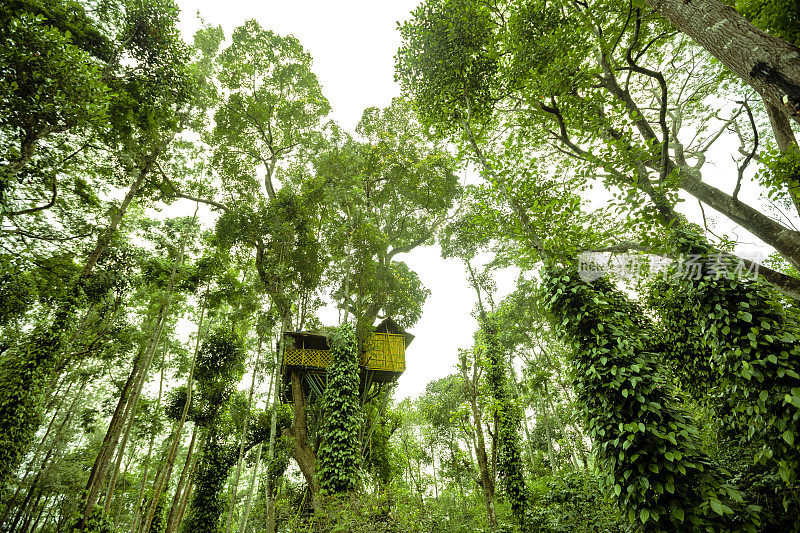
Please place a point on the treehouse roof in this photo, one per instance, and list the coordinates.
(390, 326)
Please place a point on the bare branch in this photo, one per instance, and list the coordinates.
(741, 168)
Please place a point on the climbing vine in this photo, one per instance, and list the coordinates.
(338, 453)
(208, 501)
(646, 444)
(219, 366)
(509, 423)
(740, 346)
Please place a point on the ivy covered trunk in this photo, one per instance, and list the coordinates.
(509, 424)
(735, 342)
(208, 502)
(25, 372)
(643, 440)
(339, 456)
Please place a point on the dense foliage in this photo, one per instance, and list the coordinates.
(181, 222)
(339, 454)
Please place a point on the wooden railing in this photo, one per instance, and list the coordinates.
(384, 351)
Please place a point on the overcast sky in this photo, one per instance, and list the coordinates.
(353, 44)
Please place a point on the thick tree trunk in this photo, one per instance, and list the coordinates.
(302, 452)
(768, 64)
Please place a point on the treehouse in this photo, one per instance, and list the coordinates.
(383, 358)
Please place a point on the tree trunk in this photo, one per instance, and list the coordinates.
(242, 436)
(768, 64)
(781, 128)
(140, 499)
(433, 466)
(515, 391)
(101, 463)
(160, 484)
(302, 452)
(486, 479)
(785, 241)
(273, 427)
(106, 453)
(37, 453)
(786, 141)
(547, 432)
(187, 494)
(250, 491)
(176, 501)
(128, 419)
(19, 408)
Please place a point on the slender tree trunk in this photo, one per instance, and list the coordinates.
(176, 501)
(130, 417)
(242, 436)
(275, 384)
(37, 455)
(433, 464)
(768, 64)
(29, 516)
(250, 491)
(118, 513)
(486, 478)
(24, 506)
(140, 499)
(100, 470)
(51, 508)
(101, 463)
(161, 481)
(567, 441)
(20, 406)
(187, 494)
(516, 394)
(547, 432)
(51, 452)
(35, 524)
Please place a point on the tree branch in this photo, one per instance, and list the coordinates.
(180, 194)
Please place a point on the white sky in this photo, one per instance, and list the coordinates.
(353, 44)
